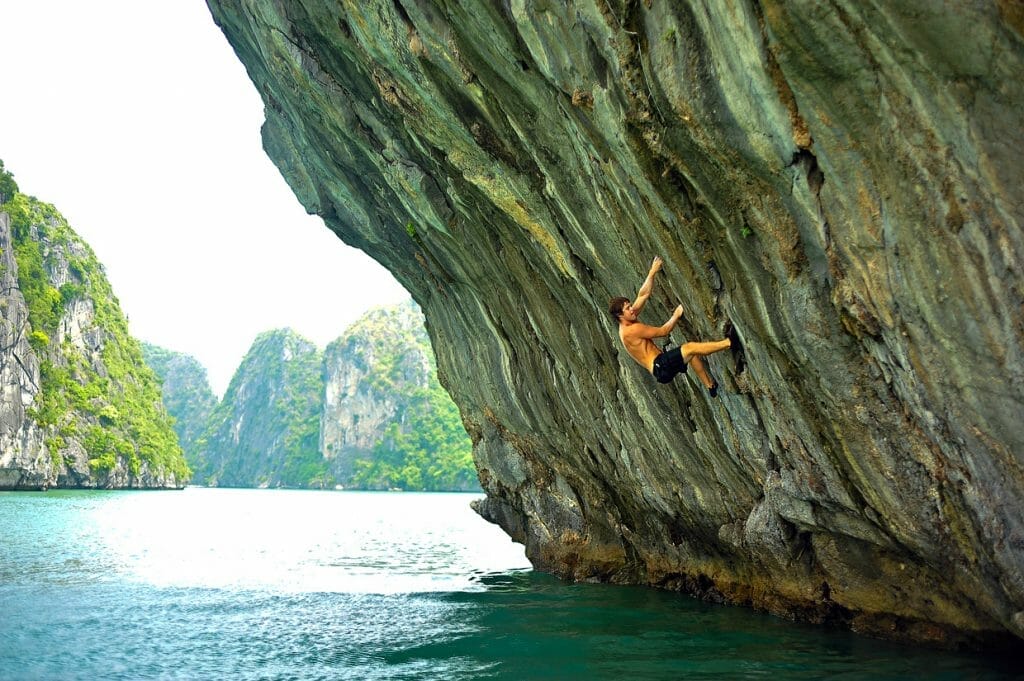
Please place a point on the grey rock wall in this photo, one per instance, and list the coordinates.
(24, 460)
(839, 179)
(368, 375)
(186, 392)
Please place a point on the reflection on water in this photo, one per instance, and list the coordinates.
(266, 584)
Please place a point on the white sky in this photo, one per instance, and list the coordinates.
(136, 120)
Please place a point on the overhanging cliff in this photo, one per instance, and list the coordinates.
(841, 180)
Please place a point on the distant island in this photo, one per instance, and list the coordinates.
(79, 408)
(365, 413)
(86, 405)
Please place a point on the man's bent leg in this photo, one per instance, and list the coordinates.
(706, 348)
(692, 353)
(702, 373)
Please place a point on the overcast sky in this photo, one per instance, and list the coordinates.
(136, 120)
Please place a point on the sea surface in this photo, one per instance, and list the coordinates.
(270, 584)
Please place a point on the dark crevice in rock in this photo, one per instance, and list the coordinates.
(598, 62)
(402, 14)
(815, 177)
(715, 277)
(736, 349)
(346, 30)
(804, 550)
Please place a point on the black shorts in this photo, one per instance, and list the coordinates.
(668, 365)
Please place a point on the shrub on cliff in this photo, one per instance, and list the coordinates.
(8, 187)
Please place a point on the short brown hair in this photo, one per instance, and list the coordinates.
(616, 305)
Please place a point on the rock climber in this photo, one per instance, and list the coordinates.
(638, 339)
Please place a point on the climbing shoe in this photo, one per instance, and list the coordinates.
(713, 390)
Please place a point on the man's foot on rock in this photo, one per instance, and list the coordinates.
(713, 390)
(739, 359)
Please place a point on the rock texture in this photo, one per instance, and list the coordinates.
(839, 179)
(359, 402)
(78, 407)
(24, 459)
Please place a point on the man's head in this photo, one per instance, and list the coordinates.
(617, 306)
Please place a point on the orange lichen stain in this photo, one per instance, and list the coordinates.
(801, 134)
(871, 212)
(582, 98)
(1012, 12)
(352, 9)
(571, 538)
(416, 44)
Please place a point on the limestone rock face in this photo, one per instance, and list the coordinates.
(78, 408)
(367, 374)
(24, 460)
(840, 180)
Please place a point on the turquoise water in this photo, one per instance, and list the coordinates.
(266, 584)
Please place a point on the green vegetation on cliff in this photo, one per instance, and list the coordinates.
(431, 452)
(95, 387)
(186, 391)
(265, 432)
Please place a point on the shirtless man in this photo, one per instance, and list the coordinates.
(637, 338)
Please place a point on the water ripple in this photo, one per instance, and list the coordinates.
(253, 585)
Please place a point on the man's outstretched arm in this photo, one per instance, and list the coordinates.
(645, 331)
(648, 286)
